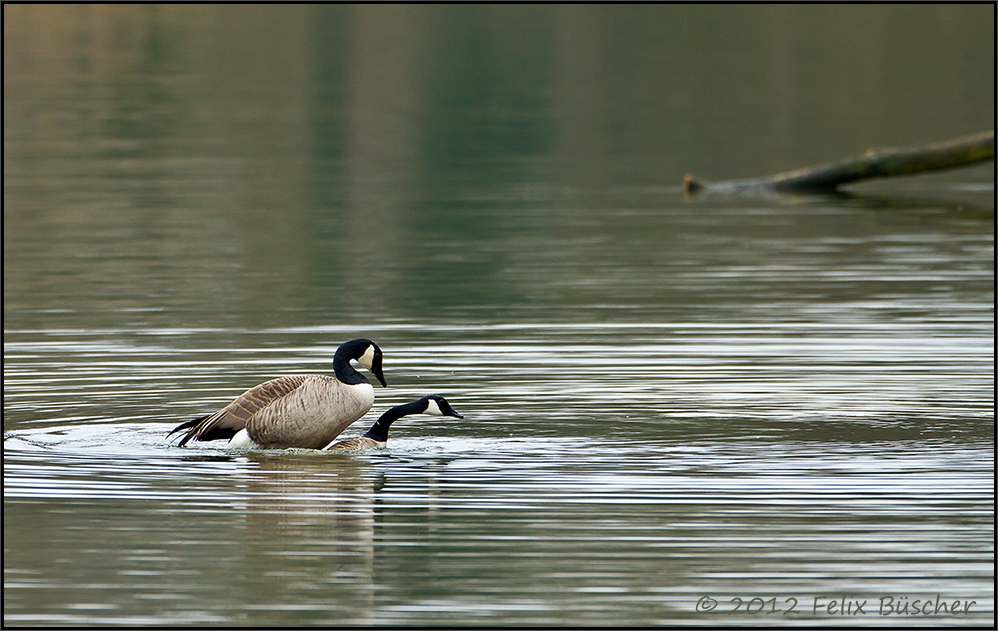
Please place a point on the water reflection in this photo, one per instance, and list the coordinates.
(550, 492)
(310, 524)
(202, 157)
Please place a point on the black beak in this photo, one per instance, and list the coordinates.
(448, 410)
(376, 369)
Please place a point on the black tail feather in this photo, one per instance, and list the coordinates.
(196, 430)
(190, 426)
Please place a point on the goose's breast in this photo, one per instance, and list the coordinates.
(340, 403)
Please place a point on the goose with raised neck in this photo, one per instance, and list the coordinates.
(295, 411)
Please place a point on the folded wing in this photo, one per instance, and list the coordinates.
(234, 417)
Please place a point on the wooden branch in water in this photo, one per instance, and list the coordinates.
(872, 164)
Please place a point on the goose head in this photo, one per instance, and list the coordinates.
(438, 406)
(364, 352)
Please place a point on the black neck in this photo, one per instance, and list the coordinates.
(343, 370)
(380, 430)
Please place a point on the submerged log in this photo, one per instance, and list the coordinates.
(872, 164)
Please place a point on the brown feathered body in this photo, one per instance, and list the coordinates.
(358, 444)
(296, 411)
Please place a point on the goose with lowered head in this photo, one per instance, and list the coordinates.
(377, 436)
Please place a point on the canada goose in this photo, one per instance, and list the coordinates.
(377, 436)
(303, 411)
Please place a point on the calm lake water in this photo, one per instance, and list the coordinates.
(770, 410)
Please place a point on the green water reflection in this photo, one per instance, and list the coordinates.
(294, 164)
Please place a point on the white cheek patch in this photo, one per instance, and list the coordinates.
(367, 359)
(433, 408)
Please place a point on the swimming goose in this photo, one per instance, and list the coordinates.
(377, 436)
(303, 411)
